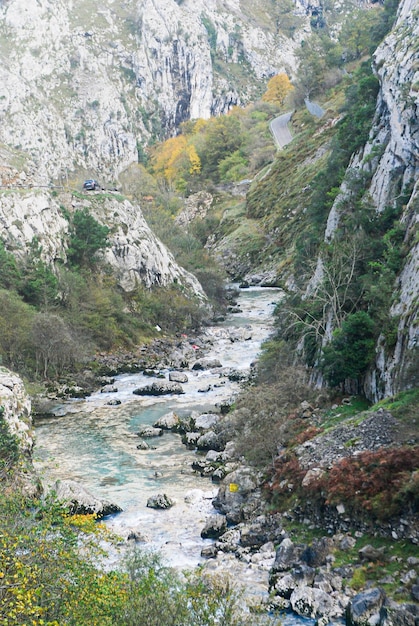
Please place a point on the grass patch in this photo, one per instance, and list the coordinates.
(339, 414)
(404, 406)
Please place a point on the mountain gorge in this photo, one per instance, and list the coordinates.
(166, 107)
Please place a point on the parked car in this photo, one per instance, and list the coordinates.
(91, 185)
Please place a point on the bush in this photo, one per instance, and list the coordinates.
(351, 350)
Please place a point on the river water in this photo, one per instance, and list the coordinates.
(95, 444)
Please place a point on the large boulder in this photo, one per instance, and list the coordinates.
(205, 421)
(206, 364)
(311, 602)
(214, 527)
(168, 421)
(364, 608)
(239, 495)
(159, 388)
(178, 377)
(79, 501)
(392, 614)
(149, 431)
(160, 501)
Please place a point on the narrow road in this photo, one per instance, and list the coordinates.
(280, 131)
(279, 126)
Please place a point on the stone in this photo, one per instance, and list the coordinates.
(169, 421)
(286, 556)
(160, 501)
(79, 501)
(149, 431)
(215, 526)
(364, 607)
(369, 553)
(311, 602)
(143, 445)
(206, 364)
(159, 388)
(178, 377)
(205, 421)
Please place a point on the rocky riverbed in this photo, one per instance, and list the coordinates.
(153, 441)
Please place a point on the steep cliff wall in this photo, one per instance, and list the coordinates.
(82, 84)
(135, 253)
(390, 160)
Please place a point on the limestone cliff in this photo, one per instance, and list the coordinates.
(390, 161)
(82, 85)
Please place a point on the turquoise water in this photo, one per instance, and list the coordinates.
(96, 445)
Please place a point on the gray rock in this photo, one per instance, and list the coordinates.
(109, 389)
(79, 501)
(149, 431)
(369, 553)
(206, 421)
(206, 364)
(392, 614)
(209, 441)
(364, 606)
(178, 377)
(215, 526)
(209, 552)
(161, 501)
(159, 388)
(286, 556)
(169, 421)
(311, 602)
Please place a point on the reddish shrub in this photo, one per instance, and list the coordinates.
(377, 482)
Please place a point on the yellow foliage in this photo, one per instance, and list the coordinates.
(279, 86)
(195, 161)
(174, 159)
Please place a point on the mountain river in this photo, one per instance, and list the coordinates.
(95, 444)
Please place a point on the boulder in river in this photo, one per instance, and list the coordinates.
(161, 501)
(206, 364)
(79, 501)
(178, 377)
(159, 388)
(215, 526)
(149, 431)
(168, 421)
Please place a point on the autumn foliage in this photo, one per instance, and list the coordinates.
(378, 484)
(279, 86)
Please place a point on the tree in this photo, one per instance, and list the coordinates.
(86, 239)
(223, 136)
(9, 272)
(15, 322)
(279, 86)
(39, 285)
(54, 343)
(351, 350)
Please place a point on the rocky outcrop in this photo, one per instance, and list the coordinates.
(135, 254)
(16, 409)
(390, 161)
(79, 501)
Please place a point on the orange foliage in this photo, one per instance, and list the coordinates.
(279, 86)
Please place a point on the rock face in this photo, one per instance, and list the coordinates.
(80, 90)
(390, 161)
(16, 408)
(81, 93)
(135, 253)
